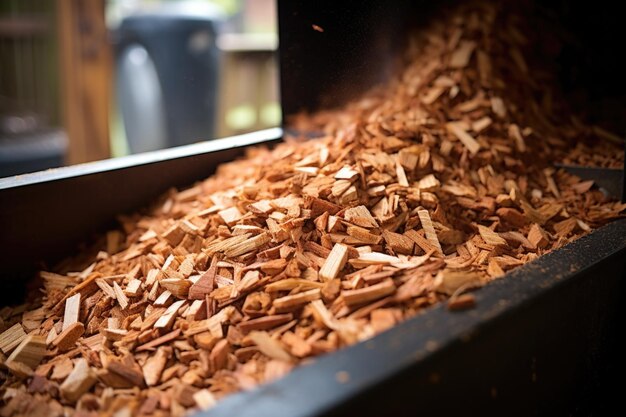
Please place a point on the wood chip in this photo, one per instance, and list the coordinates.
(295, 300)
(335, 262)
(78, 382)
(490, 237)
(248, 245)
(166, 320)
(429, 229)
(30, 351)
(155, 365)
(67, 339)
(368, 294)
(231, 215)
(10, 338)
(450, 281)
(460, 58)
(72, 310)
(538, 237)
(466, 139)
(360, 216)
(270, 347)
(204, 399)
(120, 296)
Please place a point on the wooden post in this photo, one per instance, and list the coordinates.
(85, 78)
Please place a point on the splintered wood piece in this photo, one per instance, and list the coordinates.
(538, 237)
(583, 186)
(481, 124)
(106, 288)
(401, 175)
(269, 346)
(450, 281)
(19, 369)
(218, 358)
(428, 183)
(213, 323)
(127, 369)
(461, 57)
(335, 262)
(72, 311)
(174, 235)
(52, 281)
(159, 341)
(429, 229)
(67, 338)
(133, 288)
(179, 287)
(466, 139)
(363, 235)
(398, 242)
(373, 258)
(11, 337)
(532, 214)
(248, 245)
(205, 284)
(79, 381)
(87, 286)
(408, 160)
(204, 399)
(261, 207)
(295, 300)
(30, 351)
(289, 284)
(120, 296)
(349, 195)
(360, 216)
(494, 269)
(155, 365)
(114, 334)
(490, 237)
(167, 319)
(516, 135)
(346, 173)
(265, 323)
(163, 299)
(231, 215)
(367, 294)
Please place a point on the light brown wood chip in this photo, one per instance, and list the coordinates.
(269, 346)
(72, 310)
(460, 58)
(335, 262)
(79, 381)
(490, 237)
(466, 139)
(429, 229)
(367, 294)
(11, 337)
(30, 351)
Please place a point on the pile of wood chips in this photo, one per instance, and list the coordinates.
(438, 183)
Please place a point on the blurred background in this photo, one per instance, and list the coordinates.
(84, 80)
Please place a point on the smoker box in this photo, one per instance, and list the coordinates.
(546, 339)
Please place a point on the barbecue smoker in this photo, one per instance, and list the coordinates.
(544, 340)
